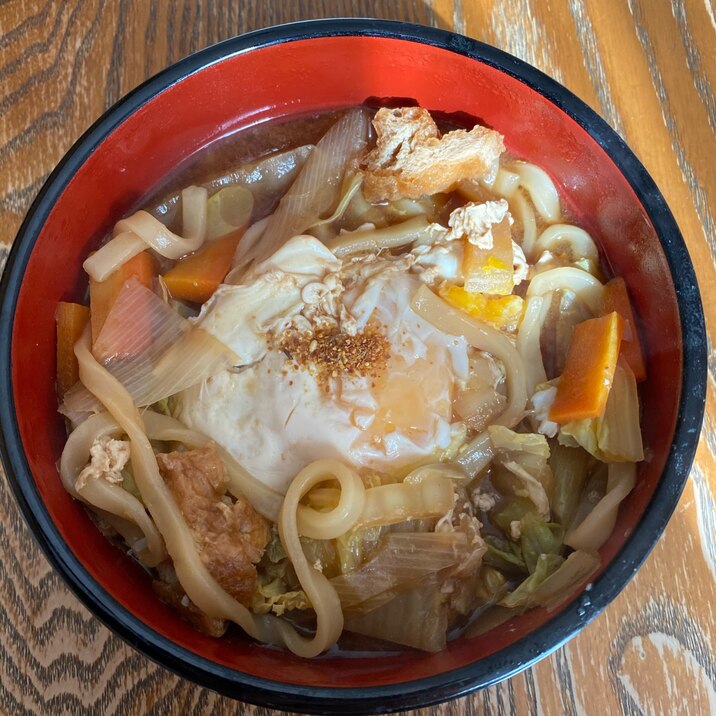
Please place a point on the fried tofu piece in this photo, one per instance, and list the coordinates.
(230, 536)
(411, 158)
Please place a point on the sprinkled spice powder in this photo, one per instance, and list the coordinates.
(331, 353)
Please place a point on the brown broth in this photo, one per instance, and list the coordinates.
(231, 152)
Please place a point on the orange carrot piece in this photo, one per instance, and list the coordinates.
(71, 321)
(616, 298)
(588, 373)
(197, 276)
(103, 294)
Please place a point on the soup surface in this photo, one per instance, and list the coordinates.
(353, 377)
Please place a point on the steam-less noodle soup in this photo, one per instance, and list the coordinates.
(373, 385)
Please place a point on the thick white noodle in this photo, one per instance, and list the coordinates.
(113, 255)
(504, 184)
(528, 339)
(524, 212)
(559, 236)
(455, 322)
(541, 189)
(140, 231)
(329, 525)
(325, 525)
(390, 237)
(193, 216)
(103, 495)
(587, 288)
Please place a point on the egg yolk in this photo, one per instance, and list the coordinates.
(410, 396)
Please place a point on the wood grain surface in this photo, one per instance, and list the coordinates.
(647, 66)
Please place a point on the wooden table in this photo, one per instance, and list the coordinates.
(646, 66)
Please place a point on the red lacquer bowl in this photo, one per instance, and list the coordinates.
(303, 68)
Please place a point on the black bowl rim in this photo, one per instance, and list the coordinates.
(422, 692)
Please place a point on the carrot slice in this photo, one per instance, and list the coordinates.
(616, 298)
(103, 294)
(588, 373)
(197, 276)
(71, 321)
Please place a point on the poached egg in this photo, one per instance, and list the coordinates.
(275, 417)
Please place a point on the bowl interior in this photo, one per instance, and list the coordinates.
(283, 80)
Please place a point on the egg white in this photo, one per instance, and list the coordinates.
(275, 418)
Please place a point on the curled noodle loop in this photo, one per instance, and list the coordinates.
(296, 519)
(327, 525)
(108, 497)
(141, 231)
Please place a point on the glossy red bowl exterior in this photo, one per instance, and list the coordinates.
(277, 73)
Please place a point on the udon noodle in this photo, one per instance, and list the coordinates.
(350, 390)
